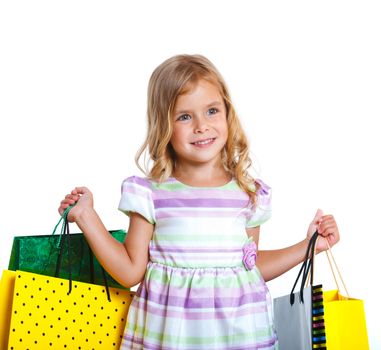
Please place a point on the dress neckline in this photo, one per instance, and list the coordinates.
(201, 187)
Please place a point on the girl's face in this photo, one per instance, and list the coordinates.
(200, 129)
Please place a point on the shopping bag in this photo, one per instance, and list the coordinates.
(45, 315)
(39, 254)
(290, 318)
(344, 316)
(299, 317)
(296, 328)
(345, 322)
(337, 321)
(6, 296)
(55, 313)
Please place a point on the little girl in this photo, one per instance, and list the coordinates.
(194, 223)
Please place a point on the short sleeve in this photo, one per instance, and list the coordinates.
(262, 210)
(137, 198)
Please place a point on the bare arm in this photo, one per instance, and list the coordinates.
(273, 263)
(125, 262)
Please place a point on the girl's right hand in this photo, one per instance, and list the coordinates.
(81, 197)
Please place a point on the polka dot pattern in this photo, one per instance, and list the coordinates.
(45, 316)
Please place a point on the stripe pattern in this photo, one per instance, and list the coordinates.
(196, 293)
(318, 326)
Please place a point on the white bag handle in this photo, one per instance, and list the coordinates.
(331, 260)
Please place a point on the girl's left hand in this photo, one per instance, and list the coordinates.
(326, 227)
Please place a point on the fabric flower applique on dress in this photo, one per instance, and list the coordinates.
(249, 254)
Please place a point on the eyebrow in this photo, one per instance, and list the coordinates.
(214, 103)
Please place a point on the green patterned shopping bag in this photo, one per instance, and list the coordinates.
(39, 254)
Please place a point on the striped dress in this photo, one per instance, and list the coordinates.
(201, 289)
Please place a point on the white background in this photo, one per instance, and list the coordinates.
(305, 78)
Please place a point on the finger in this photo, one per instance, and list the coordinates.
(69, 199)
(332, 235)
(328, 220)
(327, 223)
(65, 203)
(328, 232)
(80, 190)
(327, 229)
(62, 208)
(318, 216)
(333, 239)
(75, 197)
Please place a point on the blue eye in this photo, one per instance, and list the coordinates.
(184, 117)
(212, 111)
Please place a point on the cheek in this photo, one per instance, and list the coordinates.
(224, 130)
(177, 136)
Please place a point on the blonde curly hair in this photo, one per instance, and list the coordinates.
(169, 80)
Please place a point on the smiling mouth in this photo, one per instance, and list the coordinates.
(203, 142)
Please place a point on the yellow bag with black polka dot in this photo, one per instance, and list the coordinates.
(6, 295)
(54, 313)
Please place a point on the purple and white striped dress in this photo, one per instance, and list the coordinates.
(197, 292)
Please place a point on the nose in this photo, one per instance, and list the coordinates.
(200, 125)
